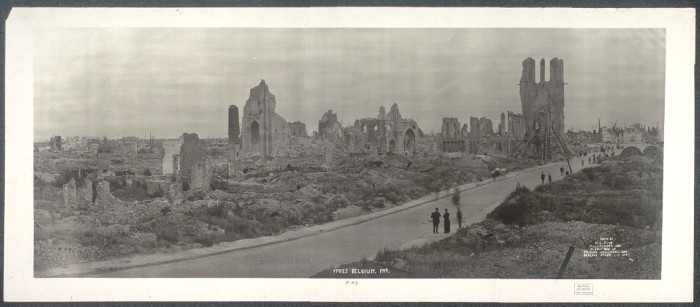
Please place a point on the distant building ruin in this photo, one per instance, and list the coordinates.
(297, 129)
(55, 143)
(388, 132)
(234, 132)
(451, 138)
(328, 127)
(184, 155)
(261, 127)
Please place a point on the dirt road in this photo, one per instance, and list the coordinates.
(309, 255)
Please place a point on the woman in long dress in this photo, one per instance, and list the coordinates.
(446, 216)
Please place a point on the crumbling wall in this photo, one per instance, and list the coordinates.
(171, 149)
(55, 143)
(297, 129)
(450, 128)
(328, 127)
(517, 128)
(192, 152)
(200, 178)
(157, 188)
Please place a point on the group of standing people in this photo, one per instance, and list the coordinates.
(435, 216)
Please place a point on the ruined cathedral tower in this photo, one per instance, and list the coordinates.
(543, 105)
(261, 127)
(545, 97)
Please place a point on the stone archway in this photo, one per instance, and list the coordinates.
(254, 133)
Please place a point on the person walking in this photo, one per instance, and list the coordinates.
(436, 220)
(542, 177)
(446, 217)
(459, 218)
(549, 177)
(561, 171)
(455, 197)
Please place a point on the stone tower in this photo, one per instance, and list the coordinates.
(261, 127)
(234, 132)
(538, 98)
(543, 107)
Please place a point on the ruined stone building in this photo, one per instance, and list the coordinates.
(388, 132)
(187, 158)
(55, 143)
(297, 129)
(234, 133)
(476, 138)
(261, 127)
(453, 137)
(543, 108)
(329, 127)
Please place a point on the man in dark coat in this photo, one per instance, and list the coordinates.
(446, 216)
(436, 220)
(542, 177)
(549, 177)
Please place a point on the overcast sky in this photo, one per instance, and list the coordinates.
(118, 82)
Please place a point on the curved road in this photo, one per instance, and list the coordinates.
(309, 255)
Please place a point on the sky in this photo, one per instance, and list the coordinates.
(119, 82)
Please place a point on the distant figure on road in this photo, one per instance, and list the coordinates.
(581, 162)
(455, 198)
(567, 173)
(542, 177)
(459, 218)
(561, 171)
(549, 177)
(446, 216)
(589, 160)
(436, 220)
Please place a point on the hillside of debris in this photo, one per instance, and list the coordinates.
(119, 213)
(529, 234)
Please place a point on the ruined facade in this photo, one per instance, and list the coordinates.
(451, 137)
(545, 97)
(55, 143)
(328, 127)
(261, 127)
(185, 157)
(388, 132)
(297, 129)
(543, 108)
(234, 132)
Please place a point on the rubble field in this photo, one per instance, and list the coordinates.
(530, 233)
(133, 211)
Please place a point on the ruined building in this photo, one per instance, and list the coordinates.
(187, 158)
(328, 127)
(234, 132)
(388, 132)
(261, 127)
(452, 138)
(543, 108)
(55, 143)
(297, 129)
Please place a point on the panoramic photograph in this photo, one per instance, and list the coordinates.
(348, 152)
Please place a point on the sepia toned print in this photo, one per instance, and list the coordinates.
(349, 153)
